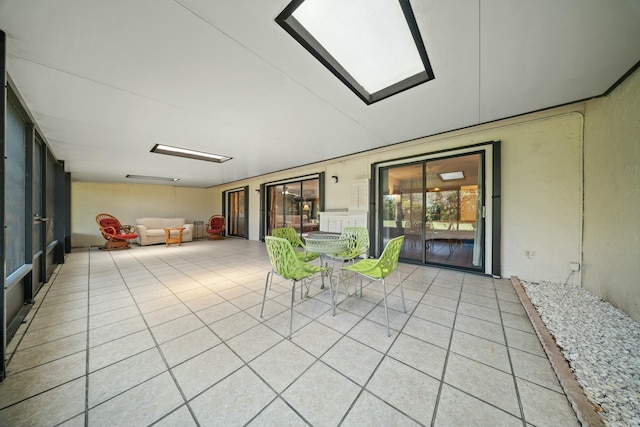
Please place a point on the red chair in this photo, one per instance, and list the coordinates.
(116, 236)
(216, 227)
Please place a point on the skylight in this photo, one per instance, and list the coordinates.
(375, 48)
(450, 176)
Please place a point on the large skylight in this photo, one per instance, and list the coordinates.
(375, 48)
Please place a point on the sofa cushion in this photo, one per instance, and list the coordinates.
(151, 230)
(161, 223)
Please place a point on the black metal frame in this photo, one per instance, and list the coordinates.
(225, 201)
(25, 282)
(375, 202)
(264, 197)
(286, 20)
(3, 115)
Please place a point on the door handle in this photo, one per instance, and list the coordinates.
(38, 219)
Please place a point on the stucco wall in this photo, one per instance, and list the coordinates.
(541, 190)
(128, 202)
(612, 197)
(542, 199)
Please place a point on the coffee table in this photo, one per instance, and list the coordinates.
(171, 239)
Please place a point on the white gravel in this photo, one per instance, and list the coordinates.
(600, 342)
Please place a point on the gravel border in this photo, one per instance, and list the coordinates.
(593, 347)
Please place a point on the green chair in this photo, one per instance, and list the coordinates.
(286, 264)
(358, 238)
(291, 234)
(379, 269)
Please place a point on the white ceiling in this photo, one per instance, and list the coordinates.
(106, 80)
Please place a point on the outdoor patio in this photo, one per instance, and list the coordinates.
(173, 336)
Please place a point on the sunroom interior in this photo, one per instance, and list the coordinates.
(518, 158)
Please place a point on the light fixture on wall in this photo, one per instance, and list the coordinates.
(257, 190)
(334, 179)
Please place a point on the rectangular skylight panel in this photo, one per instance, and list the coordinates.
(371, 40)
(153, 178)
(450, 176)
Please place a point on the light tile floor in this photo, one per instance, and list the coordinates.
(172, 336)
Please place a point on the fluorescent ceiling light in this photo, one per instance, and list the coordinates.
(153, 178)
(189, 154)
(375, 48)
(450, 176)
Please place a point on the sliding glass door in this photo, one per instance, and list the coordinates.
(237, 213)
(454, 221)
(403, 207)
(437, 204)
(294, 204)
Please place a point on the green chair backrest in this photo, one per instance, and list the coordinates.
(289, 233)
(284, 260)
(388, 261)
(358, 238)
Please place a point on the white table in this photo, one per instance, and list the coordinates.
(325, 245)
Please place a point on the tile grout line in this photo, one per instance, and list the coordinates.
(86, 368)
(584, 410)
(446, 359)
(158, 349)
(508, 348)
(483, 363)
(277, 394)
(318, 360)
(36, 309)
(176, 286)
(223, 342)
(384, 356)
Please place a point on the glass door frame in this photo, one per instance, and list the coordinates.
(491, 199)
(228, 211)
(266, 200)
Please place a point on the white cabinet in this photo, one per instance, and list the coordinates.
(356, 216)
(359, 196)
(335, 222)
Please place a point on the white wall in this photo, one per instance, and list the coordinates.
(612, 197)
(128, 202)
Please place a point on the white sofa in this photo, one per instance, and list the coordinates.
(151, 230)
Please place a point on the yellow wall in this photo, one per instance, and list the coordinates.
(128, 202)
(612, 197)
